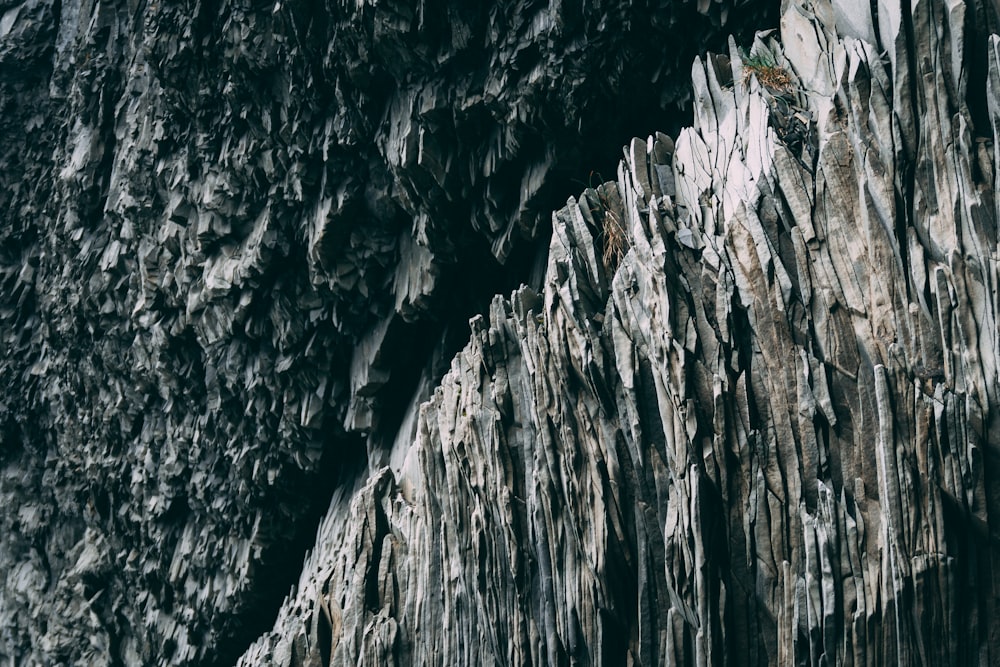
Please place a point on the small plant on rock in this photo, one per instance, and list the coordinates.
(763, 66)
(614, 239)
(615, 242)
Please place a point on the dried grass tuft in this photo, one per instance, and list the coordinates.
(767, 72)
(614, 240)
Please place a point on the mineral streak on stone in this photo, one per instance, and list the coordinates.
(770, 436)
(235, 242)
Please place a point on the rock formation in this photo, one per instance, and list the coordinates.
(767, 436)
(742, 410)
(234, 236)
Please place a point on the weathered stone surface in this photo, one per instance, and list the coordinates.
(768, 436)
(234, 235)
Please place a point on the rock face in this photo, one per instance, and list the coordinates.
(237, 241)
(743, 410)
(767, 435)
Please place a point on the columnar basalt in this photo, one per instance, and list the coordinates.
(236, 240)
(767, 436)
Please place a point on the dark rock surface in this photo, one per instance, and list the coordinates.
(237, 242)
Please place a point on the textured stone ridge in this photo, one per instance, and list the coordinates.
(235, 240)
(769, 436)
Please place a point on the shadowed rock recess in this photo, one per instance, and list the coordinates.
(743, 409)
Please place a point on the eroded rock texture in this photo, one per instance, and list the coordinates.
(768, 436)
(236, 239)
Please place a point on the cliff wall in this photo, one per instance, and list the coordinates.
(271, 267)
(749, 417)
(237, 241)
